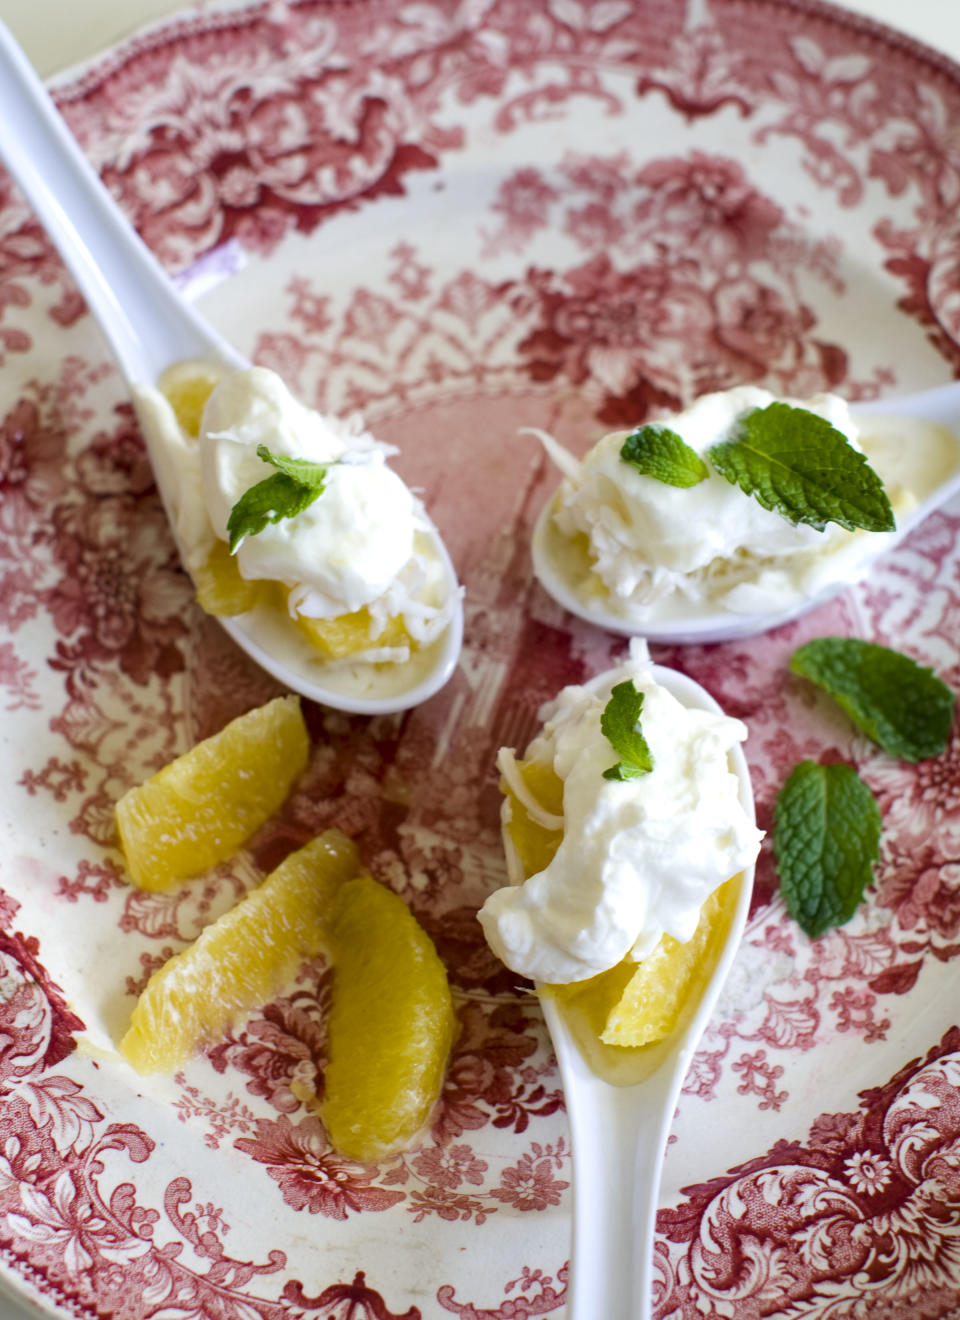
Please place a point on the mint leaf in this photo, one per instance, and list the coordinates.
(826, 839)
(283, 495)
(618, 724)
(304, 470)
(269, 501)
(901, 705)
(658, 452)
(796, 463)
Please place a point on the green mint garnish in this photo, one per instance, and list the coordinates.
(286, 493)
(619, 725)
(793, 461)
(901, 705)
(658, 452)
(304, 470)
(826, 839)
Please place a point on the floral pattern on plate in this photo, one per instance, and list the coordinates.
(464, 219)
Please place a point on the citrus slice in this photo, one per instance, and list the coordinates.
(391, 1023)
(220, 588)
(346, 634)
(201, 807)
(634, 1003)
(637, 1003)
(535, 844)
(187, 386)
(242, 959)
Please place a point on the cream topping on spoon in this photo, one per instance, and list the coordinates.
(708, 562)
(638, 857)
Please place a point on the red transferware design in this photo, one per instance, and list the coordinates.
(463, 219)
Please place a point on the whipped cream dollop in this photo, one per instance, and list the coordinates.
(711, 542)
(638, 858)
(365, 542)
(346, 548)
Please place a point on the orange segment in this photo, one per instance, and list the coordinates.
(242, 959)
(672, 976)
(220, 588)
(347, 634)
(535, 844)
(634, 1003)
(187, 387)
(391, 1023)
(201, 807)
(637, 1003)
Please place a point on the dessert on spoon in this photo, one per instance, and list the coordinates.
(294, 527)
(317, 559)
(630, 885)
(742, 512)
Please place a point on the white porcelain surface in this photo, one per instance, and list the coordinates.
(56, 37)
(421, 240)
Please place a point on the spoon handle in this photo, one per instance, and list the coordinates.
(146, 323)
(615, 1205)
(619, 1136)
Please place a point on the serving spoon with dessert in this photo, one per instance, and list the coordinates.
(742, 512)
(630, 886)
(311, 551)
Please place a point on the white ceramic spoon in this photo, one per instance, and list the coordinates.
(560, 569)
(619, 1128)
(149, 327)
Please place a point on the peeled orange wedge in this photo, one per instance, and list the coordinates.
(187, 386)
(391, 1024)
(242, 959)
(637, 1003)
(634, 1003)
(346, 634)
(221, 590)
(535, 844)
(201, 807)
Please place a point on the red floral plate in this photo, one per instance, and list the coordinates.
(464, 218)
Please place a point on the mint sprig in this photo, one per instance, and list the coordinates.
(656, 451)
(826, 839)
(898, 703)
(290, 490)
(619, 724)
(793, 461)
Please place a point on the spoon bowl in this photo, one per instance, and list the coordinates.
(149, 328)
(931, 450)
(620, 1105)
